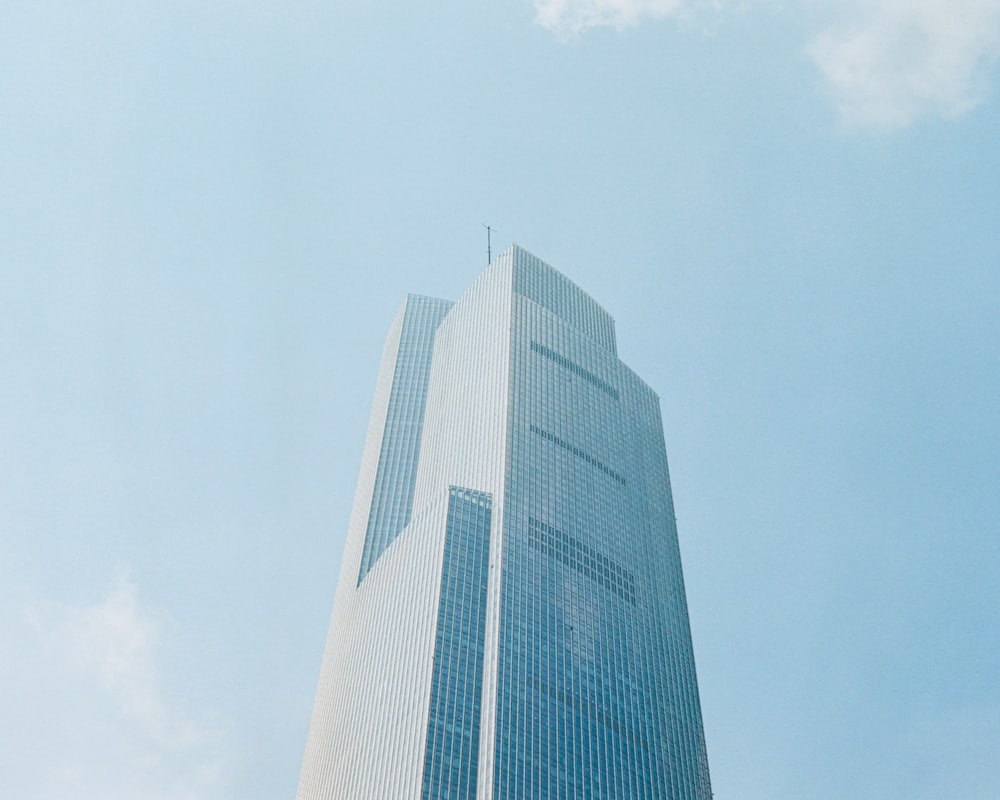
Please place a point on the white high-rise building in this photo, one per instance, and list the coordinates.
(510, 621)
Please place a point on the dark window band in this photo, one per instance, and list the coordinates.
(575, 368)
(551, 437)
(584, 559)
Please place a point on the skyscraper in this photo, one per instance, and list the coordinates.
(510, 621)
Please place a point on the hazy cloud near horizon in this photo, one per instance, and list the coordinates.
(886, 63)
(95, 685)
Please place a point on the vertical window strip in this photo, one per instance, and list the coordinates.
(451, 759)
(392, 496)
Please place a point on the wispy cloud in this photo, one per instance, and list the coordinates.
(114, 642)
(567, 19)
(893, 61)
(112, 728)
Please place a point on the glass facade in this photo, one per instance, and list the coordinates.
(392, 499)
(525, 637)
(589, 703)
(452, 750)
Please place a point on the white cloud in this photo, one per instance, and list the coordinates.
(887, 63)
(92, 716)
(569, 18)
(896, 60)
(114, 642)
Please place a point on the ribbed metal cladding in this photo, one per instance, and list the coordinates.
(510, 622)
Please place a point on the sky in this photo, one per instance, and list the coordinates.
(210, 212)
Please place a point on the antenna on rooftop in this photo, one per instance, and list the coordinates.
(489, 243)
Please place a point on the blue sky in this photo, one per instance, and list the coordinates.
(210, 212)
